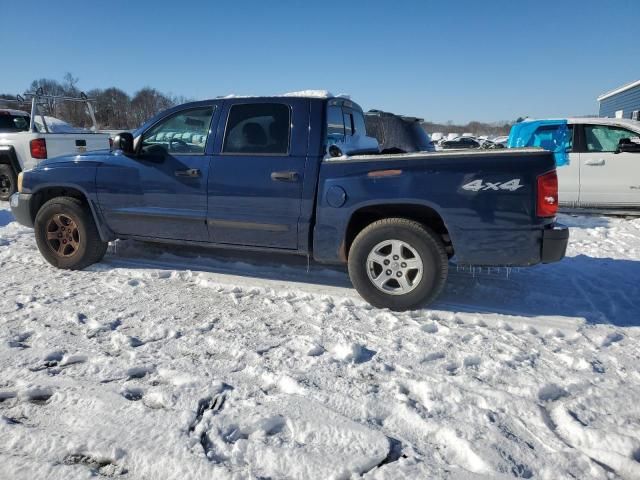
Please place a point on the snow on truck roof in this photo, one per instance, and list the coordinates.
(322, 94)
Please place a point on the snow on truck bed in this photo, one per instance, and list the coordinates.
(162, 364)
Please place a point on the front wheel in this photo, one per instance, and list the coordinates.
(398, 264)
(8, 182)
(66, 234)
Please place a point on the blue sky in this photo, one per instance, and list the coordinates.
(441, 60)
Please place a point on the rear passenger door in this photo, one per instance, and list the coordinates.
(257, 173)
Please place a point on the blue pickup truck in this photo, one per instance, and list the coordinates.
(298, 174)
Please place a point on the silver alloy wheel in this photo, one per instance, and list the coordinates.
(394, 267)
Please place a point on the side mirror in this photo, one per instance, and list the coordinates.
(625, 145)
(334, 151)
(124, 142)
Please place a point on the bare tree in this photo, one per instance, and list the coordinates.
(147, 102)
(49, 87)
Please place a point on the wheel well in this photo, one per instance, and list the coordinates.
(426, 216)
(42, 196)
(8, 157)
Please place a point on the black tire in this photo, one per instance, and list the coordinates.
(427, 245)
(71, 220)
(8, 181)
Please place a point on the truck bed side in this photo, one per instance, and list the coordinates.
(482, 203)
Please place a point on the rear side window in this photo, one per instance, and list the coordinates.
(348, 123)
(553, 137)
(258, 129)
(344, 122)
(335, 123)
(13, 123)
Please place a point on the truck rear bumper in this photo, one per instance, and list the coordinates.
(20, 207)
(554, 243)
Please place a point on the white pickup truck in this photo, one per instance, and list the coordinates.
(26, 139)
(603, 169)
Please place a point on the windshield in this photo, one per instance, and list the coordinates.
(13, 123)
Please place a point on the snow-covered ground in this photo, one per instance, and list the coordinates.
(159, 364)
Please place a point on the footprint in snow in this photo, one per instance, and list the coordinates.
(72, 360)
(7, 395)
(18, 340)
(433, 357)
(472, 361)
(612, 338)
(452, 368)
(551, 392)
(352, 352)
(98, 466)
(132, 394)
(138, 372)
(430, 328)
(37, 395)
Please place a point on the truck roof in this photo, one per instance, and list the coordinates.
(11, 111)
(621, 122)
(322, 94)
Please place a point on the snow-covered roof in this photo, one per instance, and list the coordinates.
(301, 94)
(310, 94)
(621, 89)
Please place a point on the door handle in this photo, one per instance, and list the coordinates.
(191, 172)
(595, 163)
(284, 176)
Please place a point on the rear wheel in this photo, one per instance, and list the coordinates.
(398, 263)
(66, 234)
(8, 181)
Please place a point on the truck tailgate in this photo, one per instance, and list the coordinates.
(78, 143)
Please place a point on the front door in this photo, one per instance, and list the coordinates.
(161, 192)
(257, 173)
(608, 179)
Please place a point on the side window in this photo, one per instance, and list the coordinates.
(258, 129)
(21, 123)
(348, 123)
(183, 132)
(359, 125)
(552, 137)
(335, 124)
(342, 122)
(601, 138)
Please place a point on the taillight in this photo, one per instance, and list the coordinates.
(38, 148)
(547, 205)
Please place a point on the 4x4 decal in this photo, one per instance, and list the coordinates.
(478, 185)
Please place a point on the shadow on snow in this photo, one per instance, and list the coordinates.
(601, 290)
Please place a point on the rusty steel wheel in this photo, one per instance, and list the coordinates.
(63, 236)
(66, 234)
